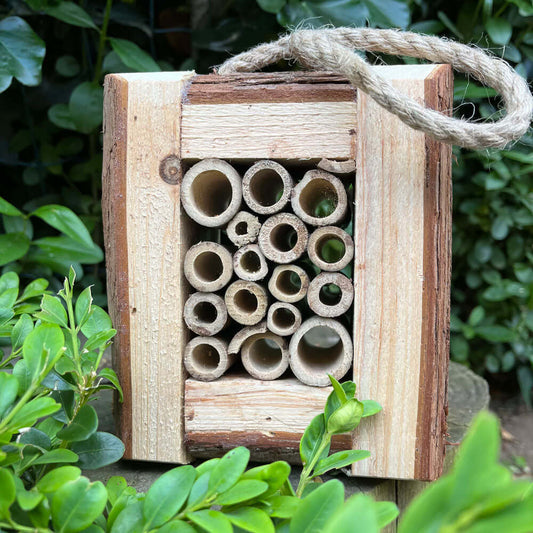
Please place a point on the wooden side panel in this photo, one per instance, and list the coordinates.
(395, 306)
(268, 417)
(151, 243)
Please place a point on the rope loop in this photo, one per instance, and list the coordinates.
(332, 50)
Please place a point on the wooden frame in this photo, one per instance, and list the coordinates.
(156, 123)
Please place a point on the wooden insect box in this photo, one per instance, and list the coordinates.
(159, 131)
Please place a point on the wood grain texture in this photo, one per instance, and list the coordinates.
(151, 243)
(269, 417)
(399, 360)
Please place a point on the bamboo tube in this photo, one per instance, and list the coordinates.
(237, 341)
(337, 167)
(319, 189)
(249, 263)
(243, 228)
(330, 305)
(283, 238)
(205, 313)
(211, 192)
(207, 358)
(266, 187)
(265, 356)
(246, 301)
(288, 283)
(319, 239)
(208, 266)
(283, 318)
(321, 346)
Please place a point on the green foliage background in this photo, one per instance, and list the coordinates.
(50, 138)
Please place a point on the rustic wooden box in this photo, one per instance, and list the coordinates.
(402, 233)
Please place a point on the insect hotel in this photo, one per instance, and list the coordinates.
(262, 231)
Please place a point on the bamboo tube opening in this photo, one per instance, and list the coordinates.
(330, 294)
(206, 358)
(205, 313)
(265, 356)
(289, 283)
(243, 228)
(321, 346)
(283, 318)
(246, 302)
(249, 263)
(208, 266)
(266, 187)
(330, 248)
(211, 192)
(283, 238)
(320, 198)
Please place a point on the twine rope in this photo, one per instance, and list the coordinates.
(333, 50)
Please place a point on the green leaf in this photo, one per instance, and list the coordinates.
(199, 489)
(317, 508)
(67, 66)
(312, 438)
(98, 321)
(85, 423)
(21, 53)
(495, 333)
(370, 408)
(211, 521)
(59, 114)
(37, 438)
(132, 56)
(41, 345)
(65, 248)
(13, 246)
(283, 506)
(52, 310)
(115, 486)
(8, 298)
(83, 306)
(177, 526)
(339, 460)
(66, 221)
(388, 13)
(86, 106)
(386, 513)
(110, 375)
(358, 515)
(167, 495)
(9, 280)
(58, 477)
(99, 339)
(77, 504)
(56, 456)
(500, 228)
(228, 470)
(130, 519)
(242, 491)
(251, 519)
(339, 390)
(499, 30)
(9, 209)
(100, 449)
(34, 289)
(8, 391)
(8, 492)
(32, 411)
(476, 316)
(346, 418)
(71, 13)
(27, 499)
(275, 474)
(271, 6)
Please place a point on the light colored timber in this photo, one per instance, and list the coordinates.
(145, 243)
(309, 130)
(402, 259)
(268, 417)
(265, 355)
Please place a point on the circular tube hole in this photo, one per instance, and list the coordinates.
(289, 282)
(265, 354)
(330, 249)
(320, 348)
(205, 357)
(208, 266)
(266, 187)
(205, 312)
(250, 262)
(212, 192)
(246, 301)
(283, 237)
(330, 294)
(319, 198)
(241, 228)
(283, 318)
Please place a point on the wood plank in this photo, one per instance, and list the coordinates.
(154, 277)
(308, 130)
(395, 224)
(269, 417)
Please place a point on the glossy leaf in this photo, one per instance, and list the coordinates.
(64, 248)
(499, 30)
(333, 402)
(242, 491)
(370, 408)
(59, 114)
(9, 209)
(177, 526)
(312, 438)
(110, 375)
(34, 289)
(86, 107)
(58, 477)
(82, 427)
(52, 310)
(230, 468)
(211, 521)
(98, 321)
(357, 515)
(22, 328)
(83, 306)
(339, 460)
(71, 13)
(283, 506)
(8, 391)
(32, 411)
(13, 246)
(251, 519)
(346, 418)
(8, 493)
(58, 455)
(41, 345)
(99, 339)
(133, 56)
(100, 449)
(130, 519)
